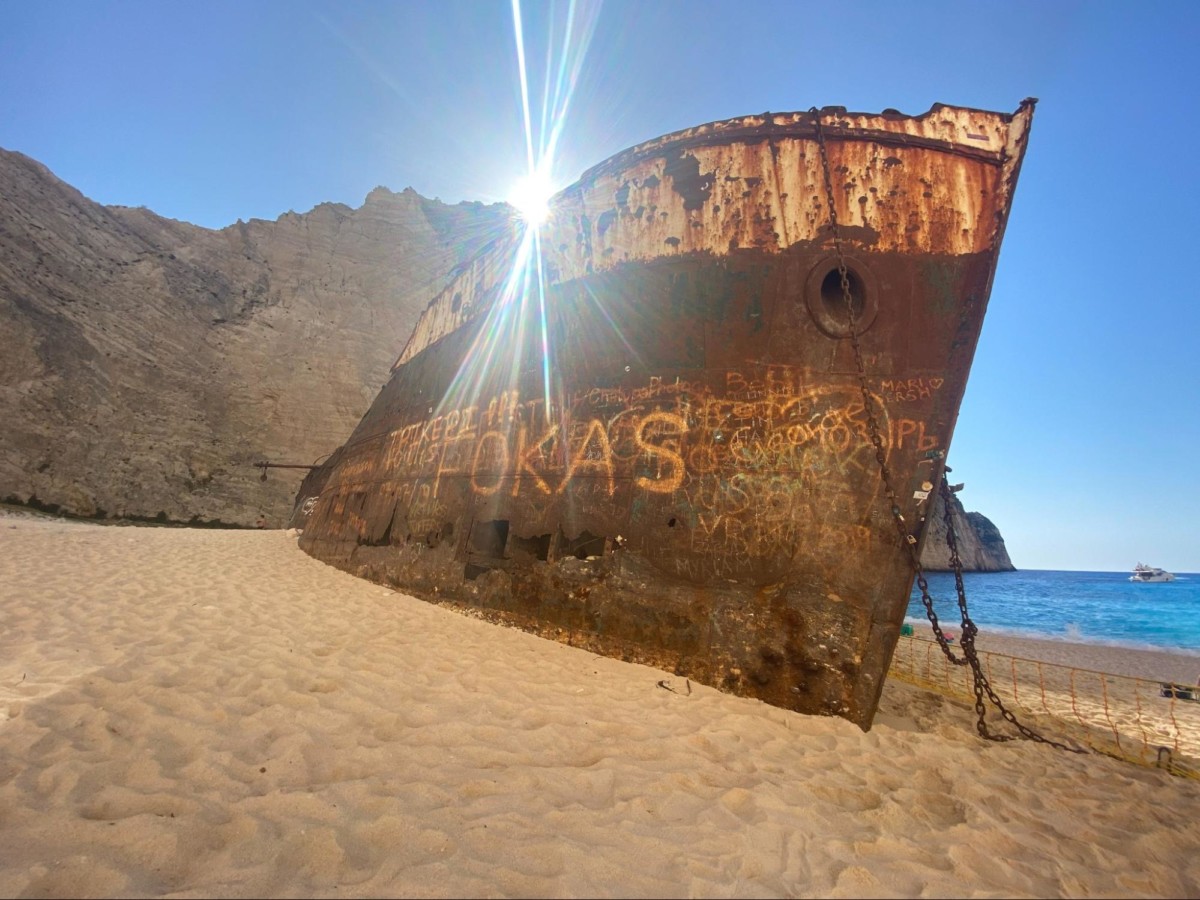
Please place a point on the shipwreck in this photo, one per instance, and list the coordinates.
(696, 417)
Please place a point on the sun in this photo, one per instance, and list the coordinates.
(531, 196)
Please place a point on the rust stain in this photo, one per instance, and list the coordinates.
(694, 186)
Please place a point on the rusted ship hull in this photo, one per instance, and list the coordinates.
(655, 443)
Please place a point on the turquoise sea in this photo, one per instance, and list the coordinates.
(1088, 607)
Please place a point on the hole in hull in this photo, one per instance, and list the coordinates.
(587, 544)
(490, 538)
(537, 547)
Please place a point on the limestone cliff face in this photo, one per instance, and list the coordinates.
(146, 363)
(980, 546)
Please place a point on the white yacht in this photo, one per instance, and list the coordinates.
(1148, 574)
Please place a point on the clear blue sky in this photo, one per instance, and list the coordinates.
(1079, 433)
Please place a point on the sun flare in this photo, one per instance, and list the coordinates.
(531, 196)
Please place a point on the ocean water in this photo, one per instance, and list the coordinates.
(1087, 607)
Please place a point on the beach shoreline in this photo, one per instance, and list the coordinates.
(196, 712)
(1145, 662)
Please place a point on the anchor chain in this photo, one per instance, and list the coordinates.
(982, 687)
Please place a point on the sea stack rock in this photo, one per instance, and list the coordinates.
(980, 545)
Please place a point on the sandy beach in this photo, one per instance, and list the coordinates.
(196, 713)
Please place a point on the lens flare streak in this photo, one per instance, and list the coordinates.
(539, 178)
(501, 340)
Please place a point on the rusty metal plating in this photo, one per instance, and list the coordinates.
(675, 458)
(908, 540)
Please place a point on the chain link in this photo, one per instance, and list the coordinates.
(982, 687)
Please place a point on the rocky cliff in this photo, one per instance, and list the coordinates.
(980, 546)
(147, 363)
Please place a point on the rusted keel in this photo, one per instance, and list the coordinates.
(653, 442)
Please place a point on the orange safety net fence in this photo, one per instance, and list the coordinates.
(1151, 723)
